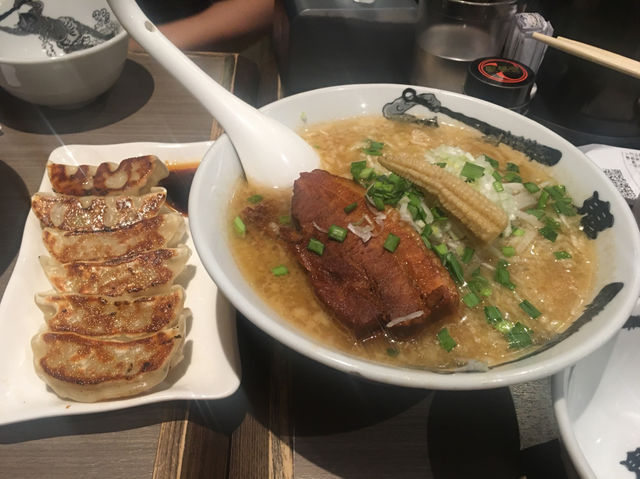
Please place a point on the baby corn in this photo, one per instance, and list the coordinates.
(484, 218)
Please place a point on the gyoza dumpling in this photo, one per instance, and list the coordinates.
(90, 315)
(95, 213)
(91, 369)
(146, 273)
(157, 232)
(132, 176)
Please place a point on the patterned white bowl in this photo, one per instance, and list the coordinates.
(597, 404)
(60, 53)
(618, 247)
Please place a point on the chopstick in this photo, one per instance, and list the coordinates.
(591, 53)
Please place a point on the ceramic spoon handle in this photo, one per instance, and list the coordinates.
(270, 153)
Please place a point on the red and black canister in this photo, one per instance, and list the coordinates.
(502, 81)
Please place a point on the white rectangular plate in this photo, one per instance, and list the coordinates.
(211, 367)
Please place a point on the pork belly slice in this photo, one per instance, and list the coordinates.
(368, 289)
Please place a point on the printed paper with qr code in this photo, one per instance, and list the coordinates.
(621, 165)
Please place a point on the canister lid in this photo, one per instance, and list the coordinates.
(500, 80)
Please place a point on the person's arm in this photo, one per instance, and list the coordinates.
(220, 23)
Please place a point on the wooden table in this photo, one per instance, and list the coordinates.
(290, 417)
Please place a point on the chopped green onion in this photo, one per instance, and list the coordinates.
(503, 326)
(497, 185)
(374, 148)
(426, 242)
(493, 315)
(316, 246)
(471, 300)
(508, 251)
(551, 223)
(394, 179)
(530, 309)
(561, 255)
(238, 226)
(357, 167)
(446, 341)
(337, 233)
(349, 208)
(413, 210)
(472, 171)
(513, 167)
(542, 200)
(562, 204)
(438, 215)
(549, 233)
(494, 164)
(467, 254)
(279, 270)
(517, 232)
(452, 264)
(519, 336)
(557, 192)
(384, 187)
(535, 212)
(426, 231)
(378, 203)
(502, 275)
(531, 187)
(441, 249)
(564, 208)
(255, 199)
(479, 284)
(511, 177)
(497, 176)
(391, 243)
(284, 219)
(442, 164)
(366, 173)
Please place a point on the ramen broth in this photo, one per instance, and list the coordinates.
(557, 288)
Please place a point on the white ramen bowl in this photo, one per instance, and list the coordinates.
(60, 53)
(618, 247)
(597, 402)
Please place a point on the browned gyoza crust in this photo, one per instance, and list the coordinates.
(140, 274)
(92, 315)
(363, 284)
(95, 213)
(92, 369)
(145, 235)
(130, 176)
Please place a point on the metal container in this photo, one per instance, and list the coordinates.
(453, 33)
(334, 42)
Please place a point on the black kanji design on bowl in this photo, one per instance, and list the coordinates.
(597, 216)
(604, 297)
(397, 110)
(61, 34)
(632, 462)
(632, 323)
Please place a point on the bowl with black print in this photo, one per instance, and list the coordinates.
(59, 53)
(604, 218)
